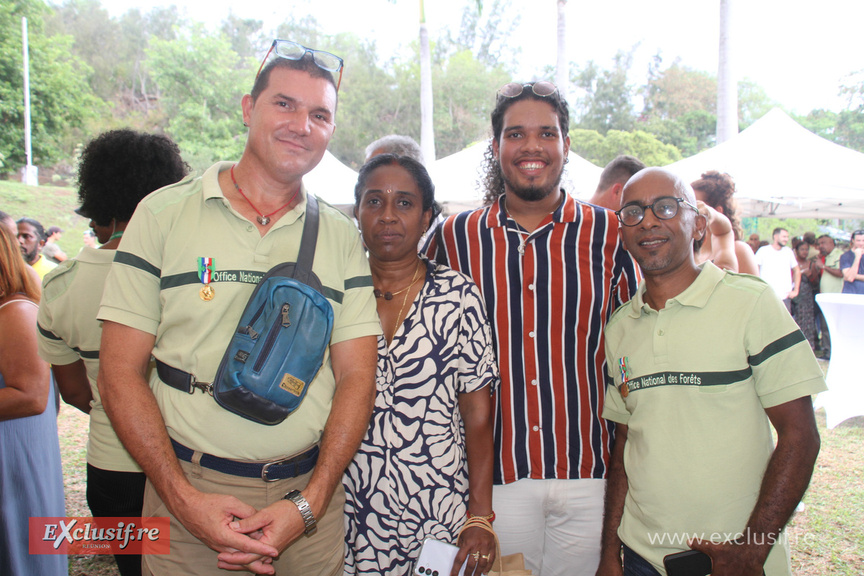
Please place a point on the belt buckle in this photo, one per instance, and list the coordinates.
(267, 466)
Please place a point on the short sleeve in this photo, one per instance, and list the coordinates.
(784, 367)
(435, 248)
(477, 365)
(613, 405)
(51, 347)
(358, 315)
(131, 295)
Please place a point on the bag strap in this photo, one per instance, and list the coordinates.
(308, 242)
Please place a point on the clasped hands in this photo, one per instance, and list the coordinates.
(246, 538)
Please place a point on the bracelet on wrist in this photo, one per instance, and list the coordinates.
(489, 518)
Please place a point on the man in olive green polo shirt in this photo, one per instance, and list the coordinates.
(829, 263)
(241, 495)
(700, 361)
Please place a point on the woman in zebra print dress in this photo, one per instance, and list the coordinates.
(426, 461)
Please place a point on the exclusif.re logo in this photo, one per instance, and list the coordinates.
(105, 535)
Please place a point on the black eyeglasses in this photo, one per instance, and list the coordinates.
(515, 89)
(294, 51)
(663, 208)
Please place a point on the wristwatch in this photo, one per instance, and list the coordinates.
(297, 498)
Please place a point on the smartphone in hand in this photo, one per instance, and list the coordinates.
(436, 559)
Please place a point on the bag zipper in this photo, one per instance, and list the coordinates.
(279, 322)
(248, 329)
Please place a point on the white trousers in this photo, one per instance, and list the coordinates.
(556, 524)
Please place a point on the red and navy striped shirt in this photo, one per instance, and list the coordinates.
(548, 295)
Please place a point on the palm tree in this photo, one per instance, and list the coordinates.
(427, 127)
(562, 73)
(727, 86)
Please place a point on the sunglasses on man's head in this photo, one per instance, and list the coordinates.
(294, 51)
(515, 89)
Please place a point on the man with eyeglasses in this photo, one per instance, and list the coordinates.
(551, 270)
(241, 495)
(700, 361)
(852, 265)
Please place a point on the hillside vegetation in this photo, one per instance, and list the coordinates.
(50, 205)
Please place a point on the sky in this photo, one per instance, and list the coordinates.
(798, 52)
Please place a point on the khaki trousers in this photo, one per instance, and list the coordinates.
(321, 554)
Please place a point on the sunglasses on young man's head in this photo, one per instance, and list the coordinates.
(294, 51)
(515, 89)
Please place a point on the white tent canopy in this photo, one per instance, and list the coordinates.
(332, 181)
(783, 170)
(456, 177)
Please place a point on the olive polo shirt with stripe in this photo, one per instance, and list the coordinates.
(69, 331)
(154, 286)
(697, 377)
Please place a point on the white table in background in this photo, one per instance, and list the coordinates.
(845, 396)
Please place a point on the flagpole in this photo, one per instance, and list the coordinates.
(31, 173)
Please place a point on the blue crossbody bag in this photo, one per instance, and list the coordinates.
(280, 341)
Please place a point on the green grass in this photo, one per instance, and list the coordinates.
(827, 536)
(50, 205)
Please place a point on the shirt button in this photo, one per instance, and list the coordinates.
(521, 250)
(660, 332)
(530, 287)
(536, 428)
(533, 382)
(531, 334)
(249, 228)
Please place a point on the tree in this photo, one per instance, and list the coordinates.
(753, 103)
(202, 82)
(463, 89)
(678, 91)
(849, 130)
(600, 149)
(427, 128)
(679, 107)
(487, 33)
(96, 41)
(690, 133)
(371, 105)
(114, 48)
(463, 86)
(139, 90)
(821, 122)
(244, 34)
(608, 97)
(62, 100)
